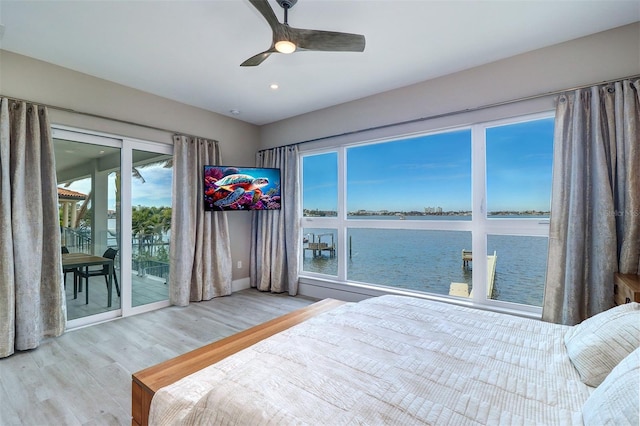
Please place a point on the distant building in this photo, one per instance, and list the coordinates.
(68, 203)
(433, 210)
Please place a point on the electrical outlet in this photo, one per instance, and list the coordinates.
(239, 264)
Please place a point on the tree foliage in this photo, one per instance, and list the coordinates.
(148, 224)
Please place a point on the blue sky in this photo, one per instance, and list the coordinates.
(319, 174)
(411, 174)
(519, 159)
(156, 190)
(435, 171)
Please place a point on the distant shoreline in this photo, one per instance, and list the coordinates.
(505, 213)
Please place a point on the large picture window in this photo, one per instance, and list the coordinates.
(423, 213)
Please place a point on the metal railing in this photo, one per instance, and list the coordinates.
(151, 267)
(76, 239)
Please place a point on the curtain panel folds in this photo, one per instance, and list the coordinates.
(595, 207)
(32, 301)
(275, 234)
(200, 252)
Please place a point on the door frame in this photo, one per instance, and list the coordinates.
(126, 146)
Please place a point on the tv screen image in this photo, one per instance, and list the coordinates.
(241, 188)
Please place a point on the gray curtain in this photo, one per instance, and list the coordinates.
(200, 253)
(32, 302)
(275, 234)
(595, 207)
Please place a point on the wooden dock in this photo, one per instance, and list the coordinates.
(467, 256)
(317, 246)
(462, 289)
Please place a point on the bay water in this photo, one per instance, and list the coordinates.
(430, 260)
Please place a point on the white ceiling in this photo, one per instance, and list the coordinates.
(190, 51)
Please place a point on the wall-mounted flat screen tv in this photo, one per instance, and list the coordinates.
(241, 188)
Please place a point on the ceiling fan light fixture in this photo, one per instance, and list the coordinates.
(285, 46)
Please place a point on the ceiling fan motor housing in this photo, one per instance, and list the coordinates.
(287, 4)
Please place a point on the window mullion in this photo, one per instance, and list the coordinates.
(342, 214)
(479, 213)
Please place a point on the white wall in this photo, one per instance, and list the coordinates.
(608, 55)
(41, 82)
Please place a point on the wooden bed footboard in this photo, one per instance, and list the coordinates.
(147, 382)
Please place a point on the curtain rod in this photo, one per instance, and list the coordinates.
(103, 117)
(461, 111)
(353, 132)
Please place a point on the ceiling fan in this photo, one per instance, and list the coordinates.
(287, 39)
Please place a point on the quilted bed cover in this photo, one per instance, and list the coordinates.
(388, 360)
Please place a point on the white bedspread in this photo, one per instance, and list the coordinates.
(388, 360)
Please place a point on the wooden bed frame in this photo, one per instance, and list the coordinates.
(147, 382)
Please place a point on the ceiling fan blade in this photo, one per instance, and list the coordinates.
(327, 41)
(266, 11)
(258, 59)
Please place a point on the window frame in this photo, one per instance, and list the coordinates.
(480, 224)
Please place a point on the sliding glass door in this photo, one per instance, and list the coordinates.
(115, 225)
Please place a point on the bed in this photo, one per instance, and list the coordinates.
(403, 360)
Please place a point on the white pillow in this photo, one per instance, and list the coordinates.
(617, 400)
(598, 344)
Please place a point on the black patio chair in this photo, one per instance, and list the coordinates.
(104, 271)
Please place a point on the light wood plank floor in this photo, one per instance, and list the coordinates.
(84, 376)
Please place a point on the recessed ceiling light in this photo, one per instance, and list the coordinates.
(274, 86)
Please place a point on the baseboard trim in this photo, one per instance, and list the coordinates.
(241, 284)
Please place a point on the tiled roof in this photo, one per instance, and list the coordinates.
(66, 194)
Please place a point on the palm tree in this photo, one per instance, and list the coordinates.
(148, 226)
